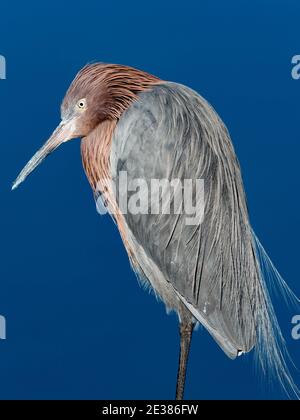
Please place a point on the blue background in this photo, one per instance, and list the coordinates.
(78, 325)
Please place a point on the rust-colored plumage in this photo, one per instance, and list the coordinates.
(95, 151)
(111, 88)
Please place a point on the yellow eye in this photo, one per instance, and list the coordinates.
(81, 104)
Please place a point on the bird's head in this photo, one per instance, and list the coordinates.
(99, 92)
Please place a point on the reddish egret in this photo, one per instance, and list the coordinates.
(209, 272)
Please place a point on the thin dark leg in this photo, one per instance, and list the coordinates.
(186, 330)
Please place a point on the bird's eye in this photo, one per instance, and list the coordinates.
(81, 104)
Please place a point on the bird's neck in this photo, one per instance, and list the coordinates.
(95, 152)
(96, 147)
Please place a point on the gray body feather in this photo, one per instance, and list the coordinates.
(209, 272)
(171, 132)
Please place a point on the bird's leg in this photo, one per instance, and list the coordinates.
(186, 330)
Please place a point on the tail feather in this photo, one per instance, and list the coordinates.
(271, 350)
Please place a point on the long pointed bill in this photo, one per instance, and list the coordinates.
(64, 132)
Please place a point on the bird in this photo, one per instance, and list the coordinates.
(211, 272)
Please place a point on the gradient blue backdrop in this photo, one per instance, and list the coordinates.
(78, 325)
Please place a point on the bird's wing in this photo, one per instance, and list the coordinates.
(173, 133)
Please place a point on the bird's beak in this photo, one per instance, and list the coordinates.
(64, 132)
